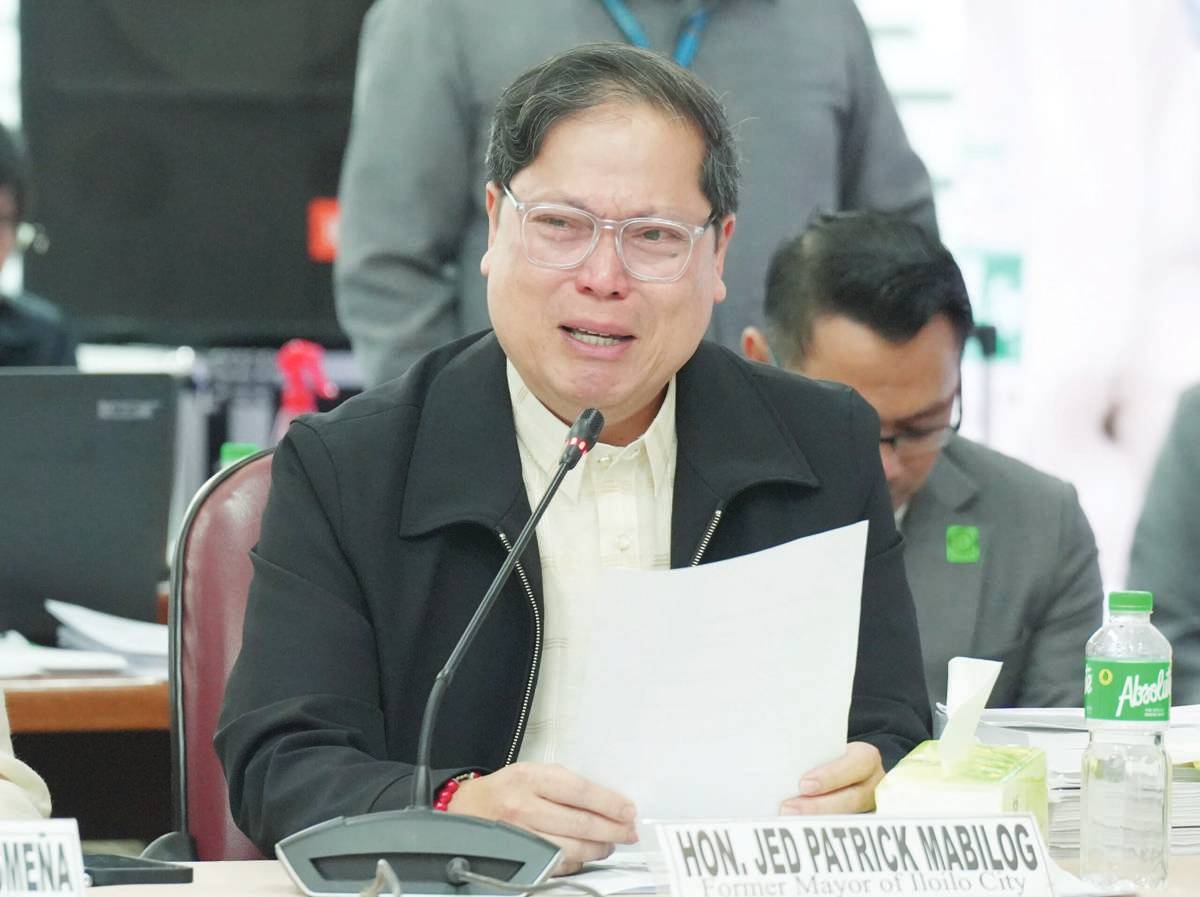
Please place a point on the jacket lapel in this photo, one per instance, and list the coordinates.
(466, 468)
(947, 586)
(465, 465)
(729, 439)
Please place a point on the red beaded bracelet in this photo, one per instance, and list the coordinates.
(446, 792)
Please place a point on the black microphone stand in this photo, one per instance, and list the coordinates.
(422, 786)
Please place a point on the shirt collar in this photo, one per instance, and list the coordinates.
(542, 436)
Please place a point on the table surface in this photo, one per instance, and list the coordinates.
(87, 704)
(266, 878)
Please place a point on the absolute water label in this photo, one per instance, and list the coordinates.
(1134, 691)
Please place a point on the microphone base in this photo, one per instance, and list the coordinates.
(339, 856)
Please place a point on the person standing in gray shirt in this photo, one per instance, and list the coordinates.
(817, 127)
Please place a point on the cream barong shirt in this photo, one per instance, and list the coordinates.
(23, 794)
(612, 510)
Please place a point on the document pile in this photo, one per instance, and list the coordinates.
(141, 646)
(21, 659)
(1061, 732)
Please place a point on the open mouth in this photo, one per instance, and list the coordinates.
(592, 338)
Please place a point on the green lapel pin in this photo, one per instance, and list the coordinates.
(962, 544)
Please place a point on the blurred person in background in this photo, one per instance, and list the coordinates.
(816, 124)
(1000, 557)
(32, 331)
(1165, 558)
(23, 794)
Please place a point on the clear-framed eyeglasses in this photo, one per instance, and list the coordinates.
(914, 442)
(559, 236)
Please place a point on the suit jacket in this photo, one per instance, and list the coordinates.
(389, 516)
(1031, 598)
(34, 332)
(1165, 558)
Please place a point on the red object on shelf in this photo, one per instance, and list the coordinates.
(322, 228)
(302, 364)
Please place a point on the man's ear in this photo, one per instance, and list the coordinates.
(754, 345)
(491, 202)
(725, 228)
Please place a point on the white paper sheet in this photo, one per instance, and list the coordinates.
(708, 691)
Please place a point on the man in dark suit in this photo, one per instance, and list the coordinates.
(32, 331)
(611, 198)
(1000, 557)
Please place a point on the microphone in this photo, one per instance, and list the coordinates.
(584, 433)
(339, 856)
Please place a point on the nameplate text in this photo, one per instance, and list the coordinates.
(856, 856)
(39, 857)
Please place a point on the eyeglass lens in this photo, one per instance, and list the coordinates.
(561, 237)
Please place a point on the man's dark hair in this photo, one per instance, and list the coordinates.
(12, 170)
(880, 270)
(593, 74)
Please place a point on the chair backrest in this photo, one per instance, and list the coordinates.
(210, 581)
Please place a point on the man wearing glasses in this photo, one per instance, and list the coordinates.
(1000, 557)
(611, 193)
(32, 330)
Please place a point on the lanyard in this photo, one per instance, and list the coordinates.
(689, 32)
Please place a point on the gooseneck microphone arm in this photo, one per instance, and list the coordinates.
(582, 437)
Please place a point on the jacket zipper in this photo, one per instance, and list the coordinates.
(708, 534)
(537, 653)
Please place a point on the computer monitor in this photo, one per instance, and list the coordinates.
(86, 463)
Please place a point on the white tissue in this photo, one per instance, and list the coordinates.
(969, 685)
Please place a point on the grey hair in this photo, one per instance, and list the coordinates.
(593, 74)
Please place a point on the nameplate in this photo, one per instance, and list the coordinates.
(39, 857)
(856, 856)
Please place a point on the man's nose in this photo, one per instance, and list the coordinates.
(602, 273)
(892, 465)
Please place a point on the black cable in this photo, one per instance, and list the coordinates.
(458, 872)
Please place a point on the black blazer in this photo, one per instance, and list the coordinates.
(389, 516)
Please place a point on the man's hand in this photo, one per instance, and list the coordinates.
(847, 785)
(584, 819)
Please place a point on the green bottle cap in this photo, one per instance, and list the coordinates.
(235, 451)
(1131, 602)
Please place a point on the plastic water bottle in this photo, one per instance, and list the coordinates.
(1126, 785)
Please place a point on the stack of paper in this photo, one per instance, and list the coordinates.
(20, 659)
(142, 645)
(1062, 733)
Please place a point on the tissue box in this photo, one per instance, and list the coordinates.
(993, 779)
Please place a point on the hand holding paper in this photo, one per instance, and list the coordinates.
(579, 816)
(847, 785)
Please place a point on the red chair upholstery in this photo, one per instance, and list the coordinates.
(210, 580)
